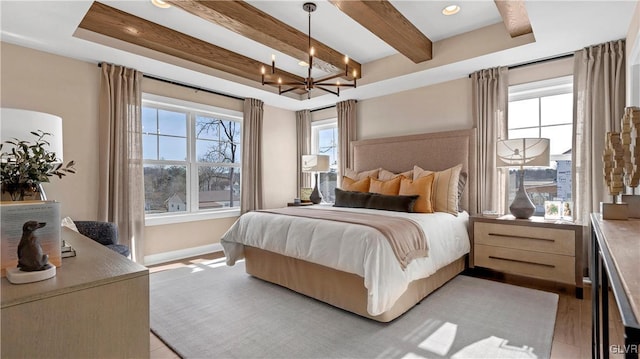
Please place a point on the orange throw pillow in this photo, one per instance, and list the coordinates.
(349, 184)
(423, 187)
(390, 187)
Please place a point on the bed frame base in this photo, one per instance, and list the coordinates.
(340, 289)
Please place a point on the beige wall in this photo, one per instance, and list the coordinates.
(39, 81)
(440, 107)
(69, 88)
(279, 156)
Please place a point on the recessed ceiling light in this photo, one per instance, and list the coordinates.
(161, 4)
(451, 10)
(303, 63)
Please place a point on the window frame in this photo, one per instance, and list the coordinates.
(538, 90)
(193, 110)
(316, 127)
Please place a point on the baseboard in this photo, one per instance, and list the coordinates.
(164, 257)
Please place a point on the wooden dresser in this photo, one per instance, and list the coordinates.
(97, 306)
(531, 248)
(616, 266)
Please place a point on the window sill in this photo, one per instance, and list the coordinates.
(159, 220)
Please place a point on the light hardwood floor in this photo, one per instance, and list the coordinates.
(571, 337)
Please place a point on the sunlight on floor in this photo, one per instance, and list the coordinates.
(441, 341)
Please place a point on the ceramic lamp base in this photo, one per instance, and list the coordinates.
(522, 207)
(316, 197)
(16, 276)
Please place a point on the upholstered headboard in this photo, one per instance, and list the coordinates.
(432, 151)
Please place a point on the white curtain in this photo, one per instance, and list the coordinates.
(490, 103)
(346, 132)
(251, 196)
(121, 187)
(303, 133)
(599, 100)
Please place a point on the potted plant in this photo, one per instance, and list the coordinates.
(28, 164)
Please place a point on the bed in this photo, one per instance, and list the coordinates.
(368, 284)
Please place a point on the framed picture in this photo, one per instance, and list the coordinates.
(552, 209)
(567, 210)
(305, 194)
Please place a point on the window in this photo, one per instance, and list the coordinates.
(324, 141)
(191, 156)
(544, 109)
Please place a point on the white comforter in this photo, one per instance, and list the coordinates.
(352, 248)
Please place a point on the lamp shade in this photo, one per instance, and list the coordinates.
(523, 152)
(315, 163)
(16, 123)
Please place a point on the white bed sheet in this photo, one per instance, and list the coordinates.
(352, 248)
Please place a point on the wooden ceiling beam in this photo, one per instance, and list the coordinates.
(250, 22)
(386, 22)
(120, 25)
(515, 17)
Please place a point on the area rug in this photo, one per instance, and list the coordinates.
(209, 310)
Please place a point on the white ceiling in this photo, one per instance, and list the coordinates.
(559, 27)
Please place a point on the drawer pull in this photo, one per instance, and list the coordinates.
(521, 261)
(521, 237)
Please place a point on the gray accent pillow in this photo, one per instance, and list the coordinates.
(392, 203)
(351, 199)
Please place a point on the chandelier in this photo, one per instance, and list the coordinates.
(309, 82)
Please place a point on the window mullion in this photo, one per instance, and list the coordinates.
(193, 189)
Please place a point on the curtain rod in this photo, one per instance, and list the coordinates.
(189, 86)
(326, 107)
(558, 57)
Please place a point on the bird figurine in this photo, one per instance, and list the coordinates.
(30, 256)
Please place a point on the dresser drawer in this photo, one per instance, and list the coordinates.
(529, 238)
(554, 267)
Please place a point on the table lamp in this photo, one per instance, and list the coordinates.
(315, 164)
(522, 152)
(17, 123)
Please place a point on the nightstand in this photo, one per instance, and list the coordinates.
(535, 248)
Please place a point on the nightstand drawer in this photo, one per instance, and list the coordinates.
(557, 268)
(529, 238)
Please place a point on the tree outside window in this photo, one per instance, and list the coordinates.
(191, 160)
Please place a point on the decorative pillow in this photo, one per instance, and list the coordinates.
(422, 187)
(462, 182)
(390, 187)
(385, 175)
(351, 199)
(361, 175)
(445, 188)
(349, 184)
(391, 203)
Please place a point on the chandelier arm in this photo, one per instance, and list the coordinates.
(332, 84)
(337, 93)
(289, 89)
(298, 84)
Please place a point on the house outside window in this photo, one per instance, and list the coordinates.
(544, 109)
(324, 141)
(191, 157)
